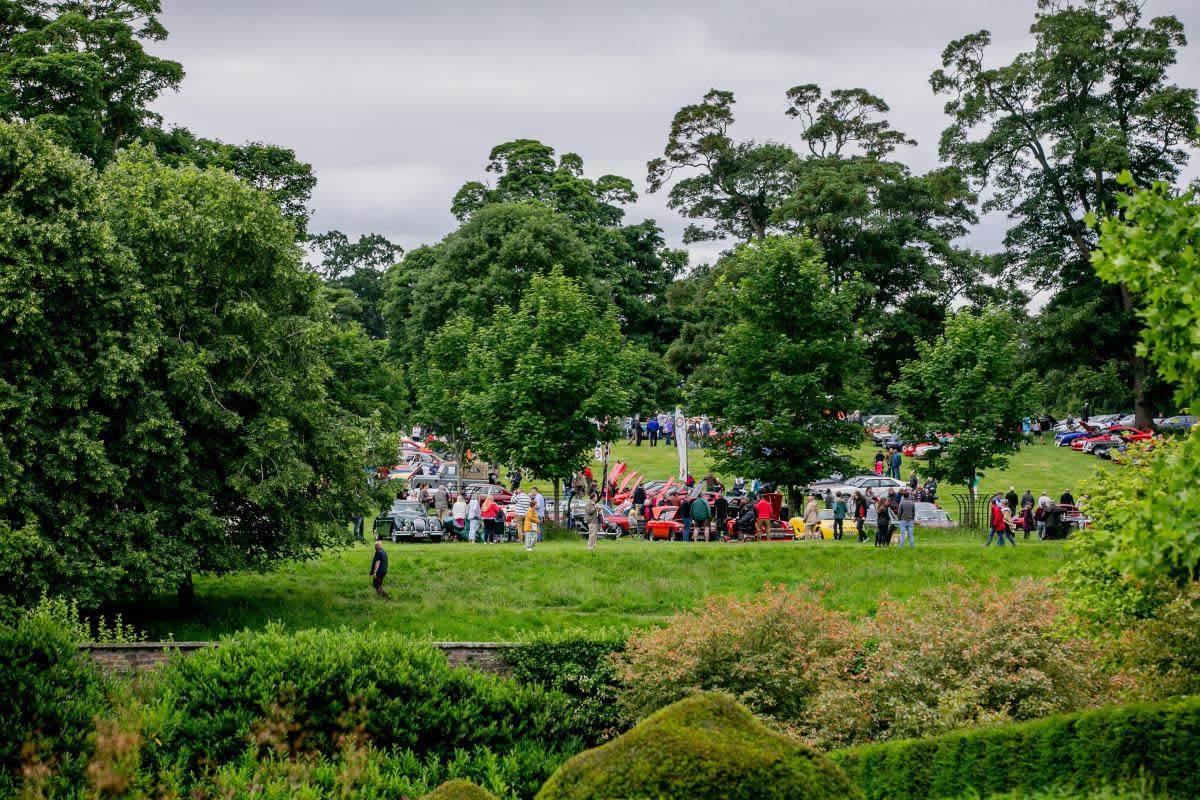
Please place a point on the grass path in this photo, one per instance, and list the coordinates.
(490, 592)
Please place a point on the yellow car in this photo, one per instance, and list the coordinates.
(826, 526)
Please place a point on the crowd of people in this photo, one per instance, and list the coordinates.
(660, 427)
(1043, 516)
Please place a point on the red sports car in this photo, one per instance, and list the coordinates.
(1114, 433)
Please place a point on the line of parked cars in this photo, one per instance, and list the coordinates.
(1109, 435)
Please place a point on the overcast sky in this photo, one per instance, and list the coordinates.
(396, 104)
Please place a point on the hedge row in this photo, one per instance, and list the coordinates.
(1159, 744)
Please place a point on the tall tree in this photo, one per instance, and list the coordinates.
(356, 277)
(631, 264)
(1049, 132)
(79, 68)
(777, 377)
(556, 365)
(444, 381)
(734, 185)
(968, 383)
(253, 461)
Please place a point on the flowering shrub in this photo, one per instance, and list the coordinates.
(961, 656)
(955, 657)
(770, 651)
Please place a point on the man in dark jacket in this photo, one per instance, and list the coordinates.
(720, 514)
(379, 568)
(639, 500)
(1011, 497)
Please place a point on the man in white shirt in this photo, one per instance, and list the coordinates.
(474, 518)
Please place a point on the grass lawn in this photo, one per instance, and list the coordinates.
(462, 592)
(1034, 467)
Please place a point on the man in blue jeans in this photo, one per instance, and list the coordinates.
(908, 516)
(896, 464)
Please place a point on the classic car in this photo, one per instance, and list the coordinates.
(406, 520)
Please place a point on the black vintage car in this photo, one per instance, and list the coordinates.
(406, 521)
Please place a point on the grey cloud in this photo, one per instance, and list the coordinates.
(396, 104)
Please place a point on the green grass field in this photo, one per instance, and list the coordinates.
(462, 592)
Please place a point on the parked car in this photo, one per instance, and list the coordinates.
(497, 492)
(930, 515)
(407, 521)
(1177, 423)
(1113, 433)
(878, 484)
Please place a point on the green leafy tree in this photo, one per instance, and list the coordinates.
(248, 460)
(556, 365)
(482, 266)
(1048, 133)
(356, 278)
(631, 264)
(269, 168)
(779, 373)
(734, 185)
(1155, 251)
(444, 381)
(79, 68)
(76, 427)
(969, 383)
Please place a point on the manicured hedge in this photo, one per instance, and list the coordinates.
(579, 664)
(459, 789)
(1089, 750)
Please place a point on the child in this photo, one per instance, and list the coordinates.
(530, 526)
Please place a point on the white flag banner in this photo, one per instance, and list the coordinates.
(681, 442)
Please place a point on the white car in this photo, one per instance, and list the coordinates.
(878, 484)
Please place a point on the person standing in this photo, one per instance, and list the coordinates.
(591, 516)
(474, 518)
(638, 430)
(1007, 531)
(913, 481)
(1011, 497)
(896, 461)
(839, 516)
(531, 525)
(520, 505)
(1085, 412)
(1027, 498)
(1067, 498)
(720, 515)
(441, 502)
(883, 533)
(668, 428)
(762, 513)
(812, 517)
(539, 502)
(639, 499)
(701, 514)
(685, 517)
(652, 430)
(1027, 522)
(828, 498)
(908, 518)
(705, 430)
(488, 513)
(879, 463)
(379, 568)
(358, 528)
(996, 522)
(860, 516)
(514, 477)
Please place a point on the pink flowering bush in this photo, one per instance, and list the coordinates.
(955, 657)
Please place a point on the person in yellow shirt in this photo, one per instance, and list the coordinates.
(530, 526)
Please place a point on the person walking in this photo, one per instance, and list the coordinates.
(591, 516)
(474, 518)
(530, 525)
(379, 568)
(1007, 531)
(883, 533)
(701, 515)
(860, 516)
(839, 516)
(908, 518)
(812, 517)
(996, 522)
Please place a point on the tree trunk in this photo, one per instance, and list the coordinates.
(557, 509)
(1141, 404)
(795, 500)
(185, 594)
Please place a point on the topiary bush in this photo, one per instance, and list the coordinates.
(706, 746)
(459, 790)
(310, 693)
(1158, 745)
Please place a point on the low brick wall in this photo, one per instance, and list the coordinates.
(483, 656)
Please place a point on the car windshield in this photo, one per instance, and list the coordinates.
(407, 507)
(860, 480)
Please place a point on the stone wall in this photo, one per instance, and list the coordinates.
(484, 656)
